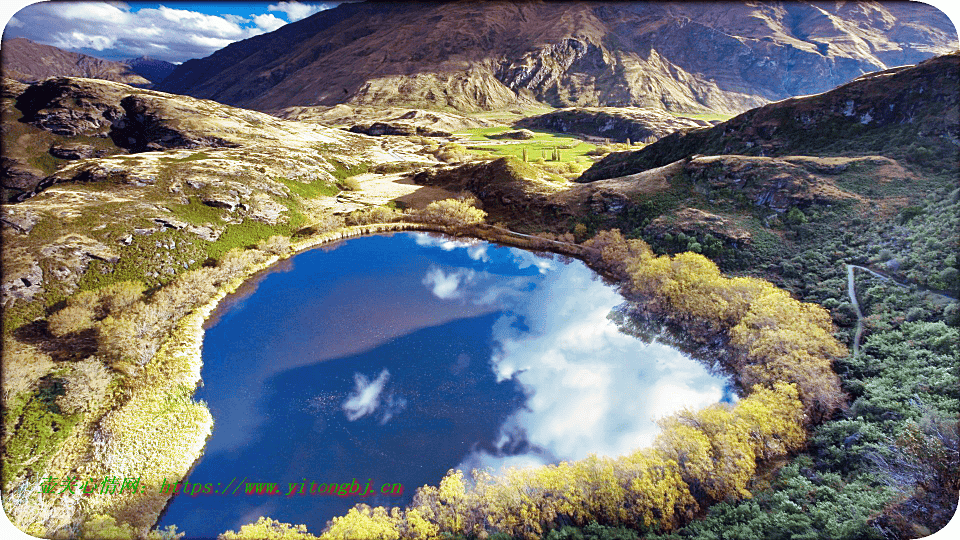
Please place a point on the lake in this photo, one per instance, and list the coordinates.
(391, 359)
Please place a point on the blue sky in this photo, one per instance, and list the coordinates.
(174, 31)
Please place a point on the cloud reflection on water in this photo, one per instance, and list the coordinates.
(591, 389)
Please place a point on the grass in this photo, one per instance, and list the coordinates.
(311, 190)
(197, 213)
(540, 147)
(707, 116)
(510, 116)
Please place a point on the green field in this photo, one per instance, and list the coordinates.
(540, 147)
(708, 116)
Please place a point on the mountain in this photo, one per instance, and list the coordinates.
(26, 61)
(150, 68)
(907, 112)
(724, 57)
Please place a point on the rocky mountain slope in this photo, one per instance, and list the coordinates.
(152, 69)
(909, 112)
(724, 57)
(26, 61)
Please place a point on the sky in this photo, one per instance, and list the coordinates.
(173, 31)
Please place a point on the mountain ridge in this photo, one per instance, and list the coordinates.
(29, 62)
(489, 55)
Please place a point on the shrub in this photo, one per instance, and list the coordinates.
(452, 212)
(276, 244)
(85, 386)
(70, 319)
(376, 214)
(121, 295)
(269, 529)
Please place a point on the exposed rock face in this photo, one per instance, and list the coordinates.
(488, 55)
(16, 179)
(149, 124)
(905, 112)
(134, 121)
(71, 107)
(618, 124)
(30, 62)
(348, 115)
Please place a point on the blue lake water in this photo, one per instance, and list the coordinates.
(391, 359)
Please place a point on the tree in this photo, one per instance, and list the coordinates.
(364, 523)
(269, 529)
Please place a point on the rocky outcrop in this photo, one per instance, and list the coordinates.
(504, 184)
(618, 124)
(696, 223)
(137, 122)
(146, 126)
(71, 107)
(517, 135)
(403, 129)
(75, 151)
(16, 179)
(348, 115)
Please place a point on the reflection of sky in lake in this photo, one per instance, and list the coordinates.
(397, 358)
(591, 389)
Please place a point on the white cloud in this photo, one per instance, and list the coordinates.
(268, 22)
(446, 286)
(366, 395)
(295, 10)
(443, 242)
(115, 30)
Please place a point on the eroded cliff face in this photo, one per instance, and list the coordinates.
(725, 57)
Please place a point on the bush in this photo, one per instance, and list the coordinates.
(376, 214)
(84, 387)
(276, 244)
(269, 529)
(452, 212)
(70, 319)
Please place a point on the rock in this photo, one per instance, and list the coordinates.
(71, 107)
(403, 129)
(620, 124)
(518, 134)
(23, 285)
(72, 151)
(18, 219)
(204, 232)
(170, 222)
(17, 179)
(221, 201)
